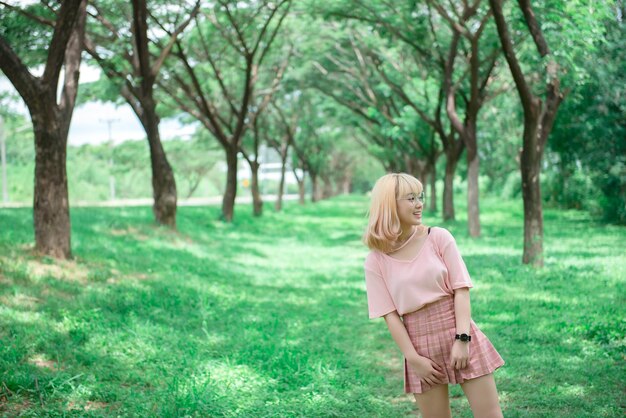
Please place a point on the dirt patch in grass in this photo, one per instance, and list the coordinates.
(94, 405)
(54, 293)
(14, 408)
(4, 280)
(116, 278)
(88, 406)
(40, 360)
(129, 231)
(20, 301)
(59, 269)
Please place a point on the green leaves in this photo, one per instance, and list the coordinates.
(28, 37)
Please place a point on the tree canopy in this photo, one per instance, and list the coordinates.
(426, 87)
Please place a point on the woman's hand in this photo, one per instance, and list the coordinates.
(427, 370)
(459, 357)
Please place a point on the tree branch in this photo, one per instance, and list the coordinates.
(377, 22)
(27, 85)
(67, 17)
(31, 16)
(213, 19)
(449, 88)
(250, 78)
(73, 55)
(219, 133)
(193, 112)
(100, 17)
(156, 66)
(235, 26)
(140, 38)
(274, 33)
(491, 60)
(533, 27)
(456, 26)
(275, 84)
(525, 93)
(353, 106)
(216, 71)
(109, 69)
(434, 33)
(402, 94)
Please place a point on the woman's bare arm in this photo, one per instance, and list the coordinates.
(462, 310)
(400, 336)
(425, 369)
(459, 357)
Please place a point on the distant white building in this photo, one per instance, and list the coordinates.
(269, 170)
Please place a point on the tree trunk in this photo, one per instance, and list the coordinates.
(419, 171)
(448, 187)
(163, 185)
(51, 123)
(3, 158)
(315, 193)
(433, 189)
(51, 210)
(281, 185)
(327, 189)
(530, 169)
(409, 166)
(301, 192)
(473, 215)
(163, 181)
(467, 129)
(539, 118)
(257, 202)
(533, 217)
(346, 185)
(301, 189)
(228, 201)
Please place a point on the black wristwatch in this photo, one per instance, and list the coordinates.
(463, 337)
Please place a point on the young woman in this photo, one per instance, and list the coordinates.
(417, 280)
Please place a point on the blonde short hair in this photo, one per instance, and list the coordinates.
(384, 224)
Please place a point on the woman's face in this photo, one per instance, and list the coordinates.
(410, 209)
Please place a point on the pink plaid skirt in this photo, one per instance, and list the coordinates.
(432, 330)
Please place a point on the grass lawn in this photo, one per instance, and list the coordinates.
(268, 317)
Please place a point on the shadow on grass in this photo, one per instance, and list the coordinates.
(174, 324)
(267, 317)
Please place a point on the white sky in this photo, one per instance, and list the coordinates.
(89, 121)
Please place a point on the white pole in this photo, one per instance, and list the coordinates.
(109, 122)
(3, 155)
(111, 180)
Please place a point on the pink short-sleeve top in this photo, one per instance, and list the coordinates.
(407, 285)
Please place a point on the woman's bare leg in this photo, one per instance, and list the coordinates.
(434, 403)
(482, 395)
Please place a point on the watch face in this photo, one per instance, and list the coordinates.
(464, 337)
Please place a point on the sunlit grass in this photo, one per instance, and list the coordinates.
(268, 317)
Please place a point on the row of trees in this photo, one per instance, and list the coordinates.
(408, 82)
